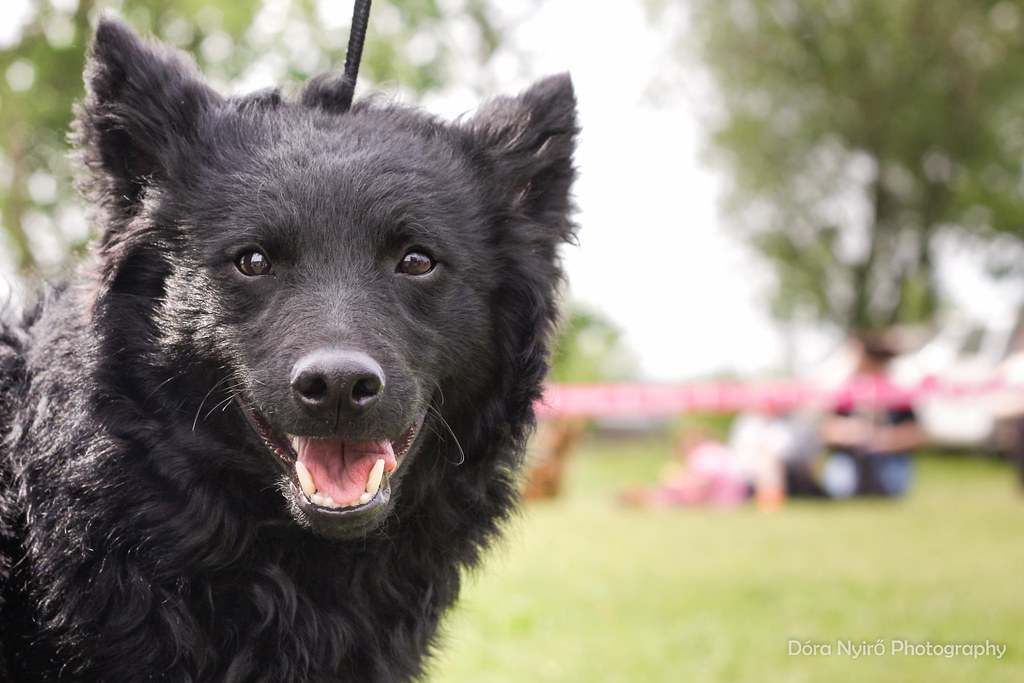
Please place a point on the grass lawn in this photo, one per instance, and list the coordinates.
(585, 590)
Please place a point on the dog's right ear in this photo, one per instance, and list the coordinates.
(140, 115)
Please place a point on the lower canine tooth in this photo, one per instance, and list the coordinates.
(365, 498)
(376, 474)
(305, 479)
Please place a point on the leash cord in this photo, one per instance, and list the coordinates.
(357, 35)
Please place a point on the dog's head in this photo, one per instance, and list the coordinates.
(338, 276)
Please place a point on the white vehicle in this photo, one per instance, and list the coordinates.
(962, 352)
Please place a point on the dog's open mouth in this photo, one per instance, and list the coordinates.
(334, 475)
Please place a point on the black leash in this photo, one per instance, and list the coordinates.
(356, 37)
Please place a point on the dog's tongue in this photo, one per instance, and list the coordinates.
(340, 468)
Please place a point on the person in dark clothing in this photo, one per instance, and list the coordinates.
(871, 441)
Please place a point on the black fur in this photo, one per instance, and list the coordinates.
(147, 533)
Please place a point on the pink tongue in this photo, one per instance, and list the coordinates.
(340, 468)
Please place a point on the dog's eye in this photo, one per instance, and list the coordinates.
(253, 263)
(415, 263)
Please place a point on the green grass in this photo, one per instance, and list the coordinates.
(586, 590)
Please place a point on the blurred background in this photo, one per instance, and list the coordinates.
(810, 212)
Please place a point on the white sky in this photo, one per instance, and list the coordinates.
(653, 254)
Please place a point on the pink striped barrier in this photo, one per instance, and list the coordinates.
(622, 400)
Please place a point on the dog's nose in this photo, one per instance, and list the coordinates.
(332, 382)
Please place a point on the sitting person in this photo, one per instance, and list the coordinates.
(871, 443)
(703, 473)
(776, 451)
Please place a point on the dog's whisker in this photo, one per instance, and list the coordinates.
(223, 404)
(203, 402)
(160, 386)
(462, 454)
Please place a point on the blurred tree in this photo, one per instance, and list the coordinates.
(247, 43)
(857, 133)
(589, 348)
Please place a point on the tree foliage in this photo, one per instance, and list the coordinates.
(858, 134)
(590, 348)
(236, 42)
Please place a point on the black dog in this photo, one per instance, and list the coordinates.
(283, 405)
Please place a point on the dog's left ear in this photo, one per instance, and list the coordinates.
(140, 115)
(529, 141)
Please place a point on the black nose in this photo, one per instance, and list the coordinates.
(332, 382)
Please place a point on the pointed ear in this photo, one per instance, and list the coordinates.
(529, 140)
(141, 112)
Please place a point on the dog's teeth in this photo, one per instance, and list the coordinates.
(325, 501)
(373, 481)
(294, 442)
(305, 479)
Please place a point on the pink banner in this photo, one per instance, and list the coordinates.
(621, 400)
